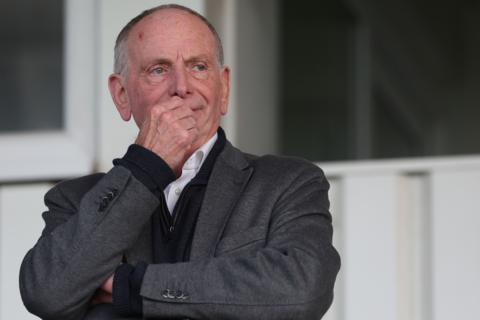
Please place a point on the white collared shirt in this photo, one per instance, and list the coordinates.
(190, 169)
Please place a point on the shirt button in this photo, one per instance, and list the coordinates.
(178, 191)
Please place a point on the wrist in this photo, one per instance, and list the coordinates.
(147, 167)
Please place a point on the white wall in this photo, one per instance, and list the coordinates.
(20, 227)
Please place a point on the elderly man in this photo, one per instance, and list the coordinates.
(184, 225)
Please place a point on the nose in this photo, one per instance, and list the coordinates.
(180, 83)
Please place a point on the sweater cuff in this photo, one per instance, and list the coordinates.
(127, 283)
(121, 289)
(136, 279)
(147, 167)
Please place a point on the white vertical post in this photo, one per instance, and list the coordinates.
(249, 31)
(223, 14)
(413, 248)
(79, 73)
(369, 253)
(456, 239)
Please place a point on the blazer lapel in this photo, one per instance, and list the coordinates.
(229, 177)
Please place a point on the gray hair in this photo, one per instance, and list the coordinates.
(120, 52)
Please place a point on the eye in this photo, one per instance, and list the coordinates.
(199, 67)
(158, 71)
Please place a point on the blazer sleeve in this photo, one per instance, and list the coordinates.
(290, 276)
(83, 242)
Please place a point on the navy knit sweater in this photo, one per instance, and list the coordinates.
(171, 233)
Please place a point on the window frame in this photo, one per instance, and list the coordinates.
(70, 151)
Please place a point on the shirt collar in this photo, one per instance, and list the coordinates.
(195, 161)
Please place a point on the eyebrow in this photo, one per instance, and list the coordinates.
(201, 57)
(158, 61)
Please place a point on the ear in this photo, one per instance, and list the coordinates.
(225, 79)
(119, 96)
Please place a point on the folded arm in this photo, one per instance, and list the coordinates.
(83, 242)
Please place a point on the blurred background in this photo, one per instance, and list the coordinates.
(383, 95)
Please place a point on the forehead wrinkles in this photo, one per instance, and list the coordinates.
(167, 31)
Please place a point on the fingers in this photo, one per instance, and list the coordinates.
(107, 286)
(170, 130)
(184, 132)
(165, 118)
(183, 124)
(175, 106)
(101, 297)
(173, 122)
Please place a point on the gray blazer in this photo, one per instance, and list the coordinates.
(261, 248)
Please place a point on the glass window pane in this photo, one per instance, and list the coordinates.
(419, 79)
(31, 65)
(316, 44)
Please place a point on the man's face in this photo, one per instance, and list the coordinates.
(173, 55)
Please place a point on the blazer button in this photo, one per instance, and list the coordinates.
(168, 294)
(105, 201)
(103, 204)
(110, 195)
(165, 293)
(181, 295)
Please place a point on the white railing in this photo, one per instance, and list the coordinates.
(408, 234)
(407, 231)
